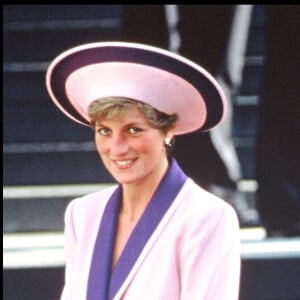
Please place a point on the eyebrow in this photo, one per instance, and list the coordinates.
(131, 124)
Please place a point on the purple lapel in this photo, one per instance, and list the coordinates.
(101, 284)
(102, 256)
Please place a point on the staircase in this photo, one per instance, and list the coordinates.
(47, 160)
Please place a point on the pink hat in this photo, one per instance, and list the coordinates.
(165, 80)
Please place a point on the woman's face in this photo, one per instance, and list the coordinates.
(131, 150)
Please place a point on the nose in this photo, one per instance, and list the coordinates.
(118, 146)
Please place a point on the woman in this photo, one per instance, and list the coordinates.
(155, 234)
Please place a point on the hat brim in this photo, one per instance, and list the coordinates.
(165, 80)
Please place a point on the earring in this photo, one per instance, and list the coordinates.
(168, 144)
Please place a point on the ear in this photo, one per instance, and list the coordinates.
(169, 140)
(169, 135)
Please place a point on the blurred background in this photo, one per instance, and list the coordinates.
(48, 160)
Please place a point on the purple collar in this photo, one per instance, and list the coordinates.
(103, 284)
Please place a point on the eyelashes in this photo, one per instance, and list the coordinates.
(105, 131)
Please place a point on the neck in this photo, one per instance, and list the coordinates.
(136, 196)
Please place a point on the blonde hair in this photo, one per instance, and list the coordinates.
(112, 106)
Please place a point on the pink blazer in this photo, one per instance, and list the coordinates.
(193, 253)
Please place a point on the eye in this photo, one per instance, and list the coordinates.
(103, 131)
(134, 130)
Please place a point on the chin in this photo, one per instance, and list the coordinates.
(126, 179)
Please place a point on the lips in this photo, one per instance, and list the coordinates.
(125, 163)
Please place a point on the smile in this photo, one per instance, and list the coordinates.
(124, 163)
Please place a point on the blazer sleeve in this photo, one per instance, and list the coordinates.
(210, 258)
(70, 243)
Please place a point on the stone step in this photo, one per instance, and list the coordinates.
(33, 266)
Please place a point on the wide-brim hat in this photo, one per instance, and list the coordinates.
(165, 80)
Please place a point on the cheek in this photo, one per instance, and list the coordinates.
(149, 145)
(101, 149)
(142, 146)
(101, 145)
(152, 146)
